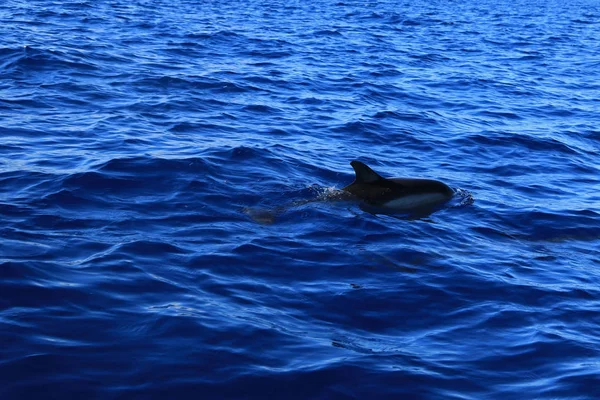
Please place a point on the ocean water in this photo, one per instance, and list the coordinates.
(168, 220)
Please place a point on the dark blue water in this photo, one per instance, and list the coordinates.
(166, 229)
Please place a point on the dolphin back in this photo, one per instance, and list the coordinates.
(396, 193)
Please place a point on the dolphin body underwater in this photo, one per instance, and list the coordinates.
(396, 194)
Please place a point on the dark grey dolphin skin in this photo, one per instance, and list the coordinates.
(397, 194)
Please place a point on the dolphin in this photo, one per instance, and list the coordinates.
(397, 194)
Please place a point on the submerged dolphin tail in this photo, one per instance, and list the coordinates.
(364, 174)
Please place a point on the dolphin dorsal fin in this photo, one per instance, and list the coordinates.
(364, 174)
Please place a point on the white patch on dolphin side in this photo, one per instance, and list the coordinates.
(415, 201)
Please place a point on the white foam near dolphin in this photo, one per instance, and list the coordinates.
(397, 194)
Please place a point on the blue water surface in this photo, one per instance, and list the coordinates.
(167, 223)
